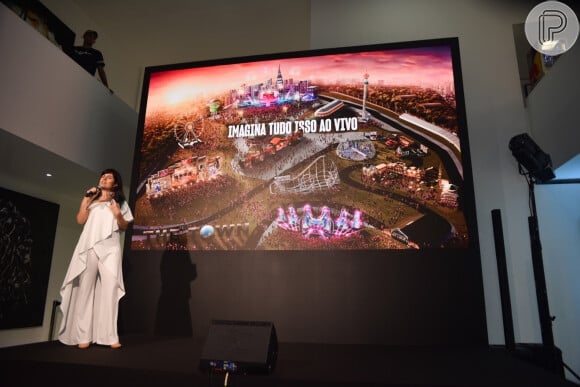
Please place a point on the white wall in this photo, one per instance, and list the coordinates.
(60, 111)
(67, 232)
(495, 112)
(554, 120)
(555, 126)
(57, 105)
(559, 222)
(63, 116)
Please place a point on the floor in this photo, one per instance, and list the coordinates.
(154, 361)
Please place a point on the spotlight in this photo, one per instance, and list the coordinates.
(529, 156)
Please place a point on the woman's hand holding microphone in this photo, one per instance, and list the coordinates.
(93, 191)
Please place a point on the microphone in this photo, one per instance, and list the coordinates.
(92, 193)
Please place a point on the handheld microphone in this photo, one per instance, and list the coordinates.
(92, 193)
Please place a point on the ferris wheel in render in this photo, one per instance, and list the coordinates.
(184, 131)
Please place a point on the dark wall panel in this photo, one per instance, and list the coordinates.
(325, 297)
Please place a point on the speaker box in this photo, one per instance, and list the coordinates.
(241, 347)
(506, 305)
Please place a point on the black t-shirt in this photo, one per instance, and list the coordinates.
(88, 57)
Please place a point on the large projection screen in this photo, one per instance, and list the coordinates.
(357, 155)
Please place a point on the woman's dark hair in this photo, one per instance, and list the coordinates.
(118, 189)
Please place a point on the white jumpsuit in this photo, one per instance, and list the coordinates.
(93, 284)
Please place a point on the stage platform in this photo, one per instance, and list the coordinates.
(172, 362)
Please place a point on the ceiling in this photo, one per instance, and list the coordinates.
(27, 164)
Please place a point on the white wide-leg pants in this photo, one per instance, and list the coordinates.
(94, 313)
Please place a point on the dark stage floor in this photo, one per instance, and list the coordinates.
(174, 362)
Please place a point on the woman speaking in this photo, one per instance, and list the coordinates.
(93, 284)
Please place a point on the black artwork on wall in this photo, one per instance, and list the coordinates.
(27, 229)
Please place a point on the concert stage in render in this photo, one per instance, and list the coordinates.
(174, 362)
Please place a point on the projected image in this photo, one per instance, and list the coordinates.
(358, 149)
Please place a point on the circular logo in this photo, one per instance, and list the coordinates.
(552, 28)
(207, 231)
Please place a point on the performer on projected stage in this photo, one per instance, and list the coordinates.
(93, 284)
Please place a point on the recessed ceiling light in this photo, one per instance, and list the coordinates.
(48, 174)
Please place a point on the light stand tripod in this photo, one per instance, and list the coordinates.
(549, 355)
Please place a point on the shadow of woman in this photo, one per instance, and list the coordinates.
(173, 313)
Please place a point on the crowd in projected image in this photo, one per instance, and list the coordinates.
(355, 148)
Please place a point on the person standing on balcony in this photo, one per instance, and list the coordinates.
(90, 58)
